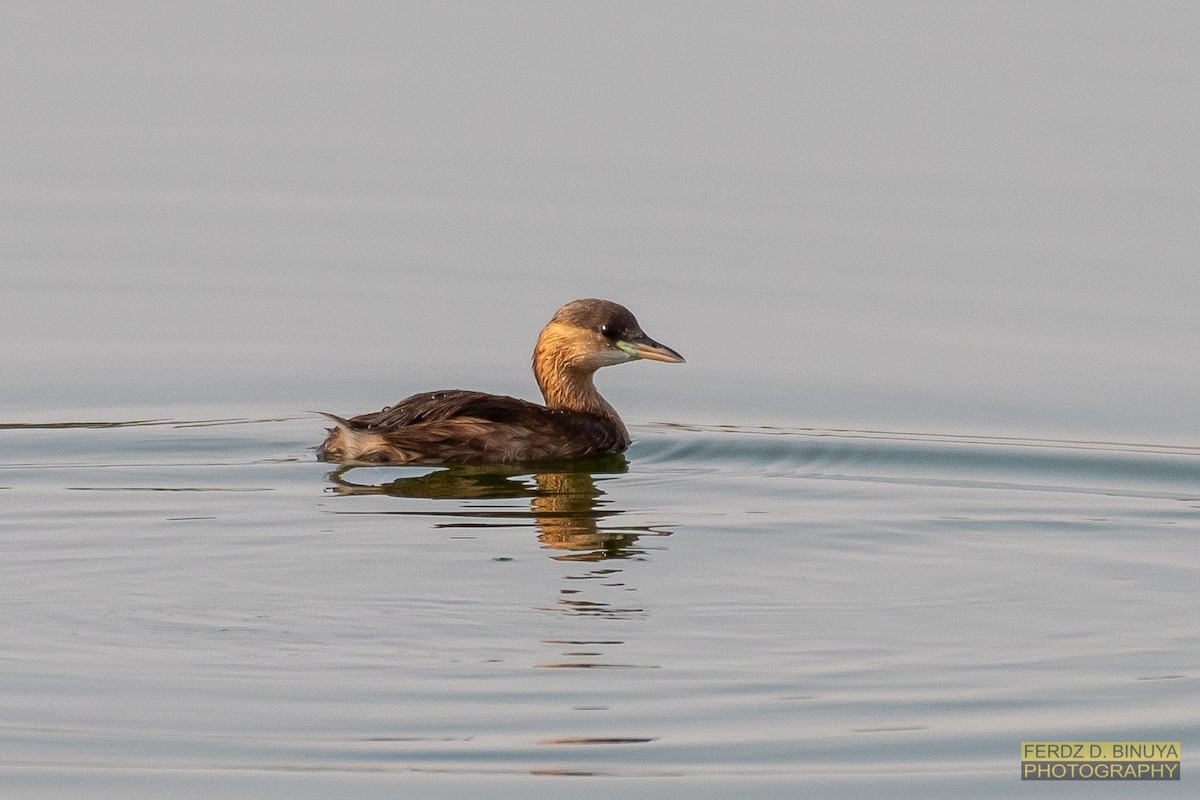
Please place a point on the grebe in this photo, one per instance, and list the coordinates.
(462, 427)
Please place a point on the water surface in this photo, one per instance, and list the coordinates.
(203, 604)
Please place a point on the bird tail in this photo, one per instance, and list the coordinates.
(346, 441)
(334, 445)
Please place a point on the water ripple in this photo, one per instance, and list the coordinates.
(931, 459)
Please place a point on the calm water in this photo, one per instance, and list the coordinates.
(203, 604)
(928, 485)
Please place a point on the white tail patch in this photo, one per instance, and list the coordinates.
(347, 441)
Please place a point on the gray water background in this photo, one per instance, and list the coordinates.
(957, 221)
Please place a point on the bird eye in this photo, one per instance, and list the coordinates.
(608, 331)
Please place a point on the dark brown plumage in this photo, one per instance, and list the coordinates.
(463, 427)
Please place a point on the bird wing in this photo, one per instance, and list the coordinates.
(447, 405)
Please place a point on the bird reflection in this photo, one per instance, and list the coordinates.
(566, 505)
(574, 518)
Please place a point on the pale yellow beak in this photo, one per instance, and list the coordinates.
(645, 347)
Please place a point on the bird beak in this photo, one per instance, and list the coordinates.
(645, 347)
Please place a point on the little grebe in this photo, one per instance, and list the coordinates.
(462, 427)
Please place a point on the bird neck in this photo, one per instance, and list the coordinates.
(567, 386)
